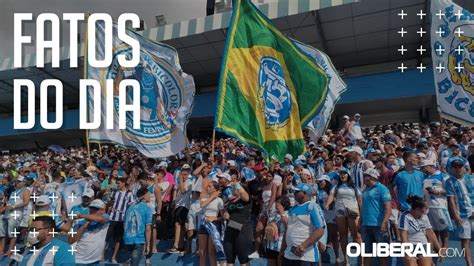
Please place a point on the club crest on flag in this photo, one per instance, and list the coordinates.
(452, 38)
(275, 97)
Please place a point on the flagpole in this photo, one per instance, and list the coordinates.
(213, 141)
(85, 77)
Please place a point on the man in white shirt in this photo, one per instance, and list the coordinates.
(90, 238)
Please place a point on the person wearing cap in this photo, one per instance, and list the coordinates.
(376, 211)
(408, 181)
(137, 226)
(330, 171)
(460, 194)
(323, 190)
(121, 200)
(82, 208)
(435, 195)
(90, 238)
(180, 213)
(287, 162)
(42, 207)
(41, 238)
(359, 165)
(17, 205)
(305, 228)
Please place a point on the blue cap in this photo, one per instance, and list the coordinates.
(423, 140)
(345, 170)
(304, 187)
(456, 161)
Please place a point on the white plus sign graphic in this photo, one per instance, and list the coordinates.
(53, 197)
(440, 14)
(14, 233)
(421, 14)
(15, 214)
(458, 14)
(402, 67)
(72, 250)
(15, 197)
(15, 250)
(72, 233)
(54, 233)
(421, 67)
(34, 232)
(34, 250)
(34, 197)
(459, 67)
(72, 215)
(440, 32)
(421, 32)
(458, 31)
(402, 14)
(402, 49)
(421, 50)
(53, 250)
(440, 67)
(402, 32)
(54, 214)
(440, 50)
(72, 197)
(34, 215)
(459, 50)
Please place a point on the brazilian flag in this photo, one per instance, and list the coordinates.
(268, 89)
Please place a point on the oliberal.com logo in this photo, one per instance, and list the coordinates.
(274, 94)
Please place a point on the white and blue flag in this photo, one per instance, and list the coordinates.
(336, 86)
(166, 96)
(452, 45)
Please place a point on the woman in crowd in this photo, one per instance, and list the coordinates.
(347, 198)
(275, 230)
(324, 189)
(415, 227)
(269, 194)
(212, 206)
(238, 236)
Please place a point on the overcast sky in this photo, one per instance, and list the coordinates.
(174, 11)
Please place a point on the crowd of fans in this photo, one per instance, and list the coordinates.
(394, 183)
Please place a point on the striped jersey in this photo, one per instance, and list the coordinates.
(463, 191)
(122, 199)
(56, 252)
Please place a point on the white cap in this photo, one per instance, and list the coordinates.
(88, 193)
(427, 162)
(301, 158)
(346, 117)
(324, 177)
(231, 163)
(224, 175)
(372, 172)
(388, 131)
(186, 166)
(421, 155)
(289, 157)
(97, 203)
(357, 115)
(42, 200)
(21, 178)
(357, 149)
(163, 164)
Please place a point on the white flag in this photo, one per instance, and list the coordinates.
(452, 45)
(336, 85)
(166, 97)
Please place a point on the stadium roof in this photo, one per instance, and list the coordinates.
(352, 33)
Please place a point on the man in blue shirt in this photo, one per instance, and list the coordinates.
(460, 194)
(137, 226)
(46, 250)
(376, 211)
(408, 181)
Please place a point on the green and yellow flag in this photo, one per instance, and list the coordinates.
(268, 90)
